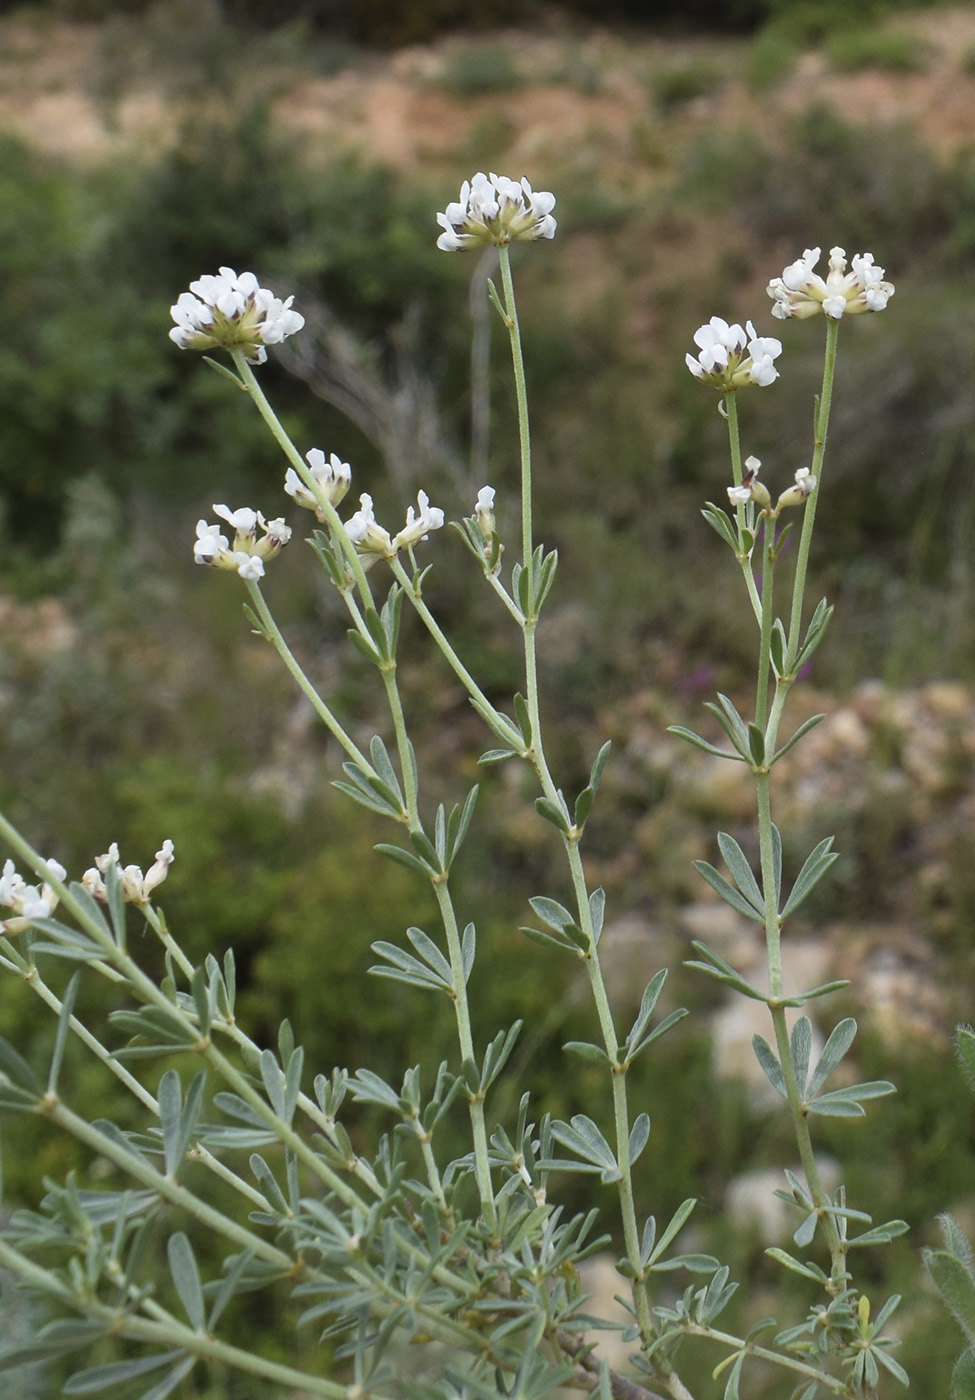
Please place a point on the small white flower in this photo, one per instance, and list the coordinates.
(796, 495)
(333, 479)
(495, 209)
(369, 537)
(246, 554)
(27, 901)
(249, 566)
(484, 511)
(136, 887)
(232, 311)
(751, 489)
(210, 543)
(732, 356)
(418, 525)
(801, 292)
(243, 521)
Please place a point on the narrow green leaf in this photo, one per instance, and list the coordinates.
(468, 950)
(589, 1054)
(551, 813)
(648, 1003)
(186, 1278)
(64, 1026)
(430, 954)
(639, 1136)
(553, 914)
(363, 647)
(500, 726)
(101, 1377)
(803, 729)
(728, 892)
(778, 647)
(767, 1059)
(880, 1234)
(756, 745)
(737, 862)
(816, 865)
(677, 1222)
(811, 1271)
(583, 806)
(841, 1037)
(404, 858)
(599, 763)
(426, 850)
(719, 522)
(546, 940)
(700, 743)
(800, 1043)
(385, 808)
(496, 756)
(597, 912)
(523, 716)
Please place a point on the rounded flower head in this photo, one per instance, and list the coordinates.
(800, 291)
(494, 209)
(732, 357)
(235, 312)
(248, 550)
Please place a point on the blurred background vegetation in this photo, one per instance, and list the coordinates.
(136, 705)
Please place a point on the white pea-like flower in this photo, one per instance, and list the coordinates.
(419, 523)
(751, 489)
(27, 902)
(233, 311)
(136, 887)
(333, 477)
(368, 536)
(802, 292)
(495, 209)
(731, 356)
(247, 551)
(803, 489)
(484, 511)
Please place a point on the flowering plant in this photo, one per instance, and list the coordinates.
(472, 1258)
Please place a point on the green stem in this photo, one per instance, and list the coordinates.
(273, 633)
(764, 646)
(821, 428)
(415, 595)
(136, 1165)
(730, 402)
(521, 394)
(462, 1014)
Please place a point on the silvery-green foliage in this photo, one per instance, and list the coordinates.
(245, 1154)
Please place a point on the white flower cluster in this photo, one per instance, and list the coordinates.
(372, 541)
(27, 901)
(136, 887)
(800, 291)
(732, 357)
(235, 312)
(494, 209)
(247, 553)
(333, 479)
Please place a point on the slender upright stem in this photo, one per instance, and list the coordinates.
(521, 394)
(730, 404)
(274, 635)
(821, 428)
